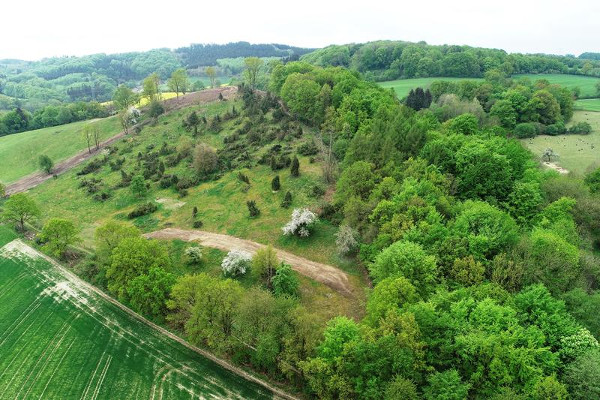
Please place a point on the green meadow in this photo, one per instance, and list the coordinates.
(403, 86)
(586, 84)
(19, 152)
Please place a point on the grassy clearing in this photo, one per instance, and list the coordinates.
(6, 235)
(19, 152)
(403, 86)
(588, 105)
(577, 153)
(586, 84)
(61, 339)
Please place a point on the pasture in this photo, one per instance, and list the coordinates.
(577, 153)
(403, 86)
(19, 152)
(586, 84)
(588, 105)
(60, 338)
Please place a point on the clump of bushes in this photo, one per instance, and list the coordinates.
(193, 254)
(236, 263)
(308, 149)
(252, 208)
(143, 209)
(525, 130)
(301, 223)
(582, 128)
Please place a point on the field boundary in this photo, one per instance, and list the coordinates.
(31, 252)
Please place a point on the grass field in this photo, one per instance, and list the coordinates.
(586, 84)
(403, 86)
(588, 105)
(19, 152)
(577, 153)
(61, 339)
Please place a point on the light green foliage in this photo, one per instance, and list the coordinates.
(253, 66)
(409, 260)
(108, 236)
(124, 97)
(549, 388)
(150, 87)
(401, 388)
(178, 82)
(264, 264)
(506, 114)
(58, 234)
(466, 124)
(213, 303)
(2, 190)
(302, 95)
(20, 209)
(205, 160)
(390, 294)
(488, 230)
(138, 186)
(552, 260)
(356, 181)
(131, 258)
(46, 164)
(340, 330)
(467, 271)
(446, 385)
(525, 201)
(285, 282)
(148, 292)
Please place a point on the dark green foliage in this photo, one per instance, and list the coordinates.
(582, 128)
(197, 224)
(287, 200)
(295, 168)
(243, 177)
(143, 209)
(308, 149)
(155, 109)
(285, 282)
(275, 184)
(418, 99)
(252, 208)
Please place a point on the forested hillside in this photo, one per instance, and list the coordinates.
(33, 84)
(388, 60)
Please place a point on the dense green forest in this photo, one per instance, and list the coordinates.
(388, 60)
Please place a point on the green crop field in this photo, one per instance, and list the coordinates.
(62, 339)
(403, 86)
(586, 84)
(588, 105)
(20, 152)
(577, 153)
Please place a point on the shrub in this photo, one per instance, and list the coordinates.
(252, 208)
(285, 282)
(287, 200)
(243, 177)
(155, 109)
(346, 240)
(193, 254)
(205, 160)
(142, 209)
(236, 263)
(308, 149)
(525, 130)
(46, 163)
(582, 128)
(301, 223)
(276, 184)
(197, 224)
(295, 169)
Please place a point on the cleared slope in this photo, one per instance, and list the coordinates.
(62, 338)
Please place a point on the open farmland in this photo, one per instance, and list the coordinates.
(587, 105)
(577, 153)
(20, 152)
(61, 338)
(403, 86)
(586, 84)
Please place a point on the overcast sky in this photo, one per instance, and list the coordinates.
(36, 29)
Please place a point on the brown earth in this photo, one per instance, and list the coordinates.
(190, 99)
(326, 274)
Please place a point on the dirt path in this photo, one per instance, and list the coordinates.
(555, 167)
(196, 98)
(326, 274)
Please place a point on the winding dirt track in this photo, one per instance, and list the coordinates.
(326, 274)
(190, 99)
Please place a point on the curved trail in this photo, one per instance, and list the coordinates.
(326, 274)
(37, 178)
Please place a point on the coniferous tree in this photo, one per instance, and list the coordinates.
(295, 168)
(275, 183)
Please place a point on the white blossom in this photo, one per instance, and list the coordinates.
(346, 240)
(301, 222)
(194, 254)
(236, 263)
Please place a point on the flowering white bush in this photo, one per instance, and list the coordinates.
(301, 222)
(236, 262)
(346, 240)
(194, 254)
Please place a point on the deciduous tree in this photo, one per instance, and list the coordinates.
(58, 234)
(19, 209)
